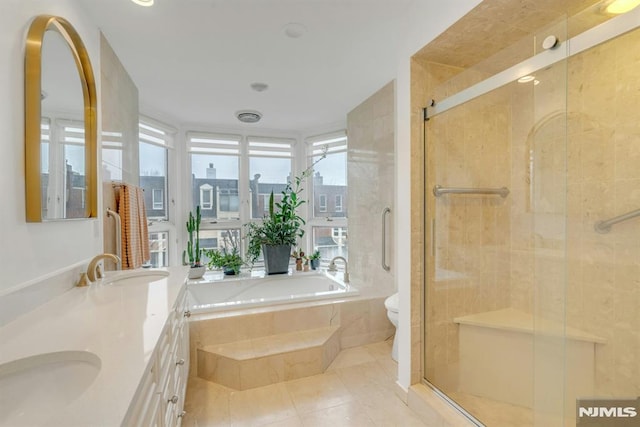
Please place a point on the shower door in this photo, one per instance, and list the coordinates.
(496, 236)
(532, 295)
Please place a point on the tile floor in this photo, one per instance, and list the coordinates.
(358, 389)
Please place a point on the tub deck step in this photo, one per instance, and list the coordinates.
(270, 359)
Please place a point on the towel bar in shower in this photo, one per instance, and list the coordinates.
(605, 226)
(439, 191)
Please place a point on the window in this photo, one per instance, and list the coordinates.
(62, 168)
(215, 170)
(159, 249)
(330, 241)
(269, 170)
(329, 194)
(228, 201)
(322, 203)
(156, 141)
(155, 151)
(157, 198)
(112, 159)
(206, 197)
(330, 174)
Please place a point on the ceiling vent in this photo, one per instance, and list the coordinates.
(249, 116)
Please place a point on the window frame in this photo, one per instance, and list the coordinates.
(322, 203)
(338, 206)
(214, 144)
(334, 143)
(164, 136)
(157, 202)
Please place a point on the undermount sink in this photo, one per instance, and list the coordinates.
(35, 388)
(138, 275)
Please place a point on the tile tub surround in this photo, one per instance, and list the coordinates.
(359, 322)
(120, 323)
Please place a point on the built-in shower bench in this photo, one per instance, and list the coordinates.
(269, 359)
(505, 353)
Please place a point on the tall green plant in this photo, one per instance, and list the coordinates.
(283, 225)
(193, 245)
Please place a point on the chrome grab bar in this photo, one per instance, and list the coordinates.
(115, 216)
(439, 191)
(385, 212)
(605, 226)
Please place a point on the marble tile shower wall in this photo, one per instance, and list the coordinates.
(472, 148)
(120, 116)
(371, 172)
(585, 169)
(603, 287)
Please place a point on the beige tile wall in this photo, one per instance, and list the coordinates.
(371, 176)
(119, 113)
(603, 287)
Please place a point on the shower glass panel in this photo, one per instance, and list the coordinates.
(530, 308)
(495, 288)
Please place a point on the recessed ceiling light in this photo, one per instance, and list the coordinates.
(143, 2)
(621, 6)
(526, 79)
(248, 116)
(294, 30)
(259, 87)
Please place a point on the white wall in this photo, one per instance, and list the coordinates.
(30, 251)
(425, 20)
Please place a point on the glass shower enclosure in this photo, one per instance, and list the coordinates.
(532, 226)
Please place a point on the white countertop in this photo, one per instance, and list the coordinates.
(119, 322)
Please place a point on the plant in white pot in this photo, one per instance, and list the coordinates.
(193, 251)
(280, 229)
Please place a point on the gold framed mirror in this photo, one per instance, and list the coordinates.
(60, 124)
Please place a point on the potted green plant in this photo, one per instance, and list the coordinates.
(193, 251)
(280, 229)
(229, 260)
(314, 259)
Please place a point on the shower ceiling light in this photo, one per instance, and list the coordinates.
(526, 79)
(621, 6)
(146, 3)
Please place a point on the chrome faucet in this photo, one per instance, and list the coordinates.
(93, 272)
(332, 267)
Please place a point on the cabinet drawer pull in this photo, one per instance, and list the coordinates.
(180, 362)
(174, 399)
(187, 313)
(182, 414)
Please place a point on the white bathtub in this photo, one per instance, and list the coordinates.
(234, 293)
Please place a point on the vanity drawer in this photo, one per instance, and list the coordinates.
(147, 400)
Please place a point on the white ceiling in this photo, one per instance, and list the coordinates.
(193, 60)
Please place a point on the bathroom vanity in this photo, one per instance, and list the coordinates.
(114, 353)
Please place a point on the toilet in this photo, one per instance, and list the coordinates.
(391, 304)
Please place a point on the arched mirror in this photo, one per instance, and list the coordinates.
(60, 124)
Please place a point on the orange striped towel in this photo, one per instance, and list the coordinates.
(135, 234)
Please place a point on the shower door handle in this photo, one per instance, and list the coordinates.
(385, 212)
